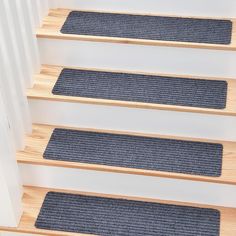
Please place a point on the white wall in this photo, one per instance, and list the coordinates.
(10, 184)
(19, 59)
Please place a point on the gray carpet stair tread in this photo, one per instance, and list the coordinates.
(128, 87)
(209, 31)
(186, 157)
(116, 217)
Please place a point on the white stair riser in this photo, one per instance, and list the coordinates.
(211, 8)
(15, 234)
(157, 59)
(129, 185)
(184, 124)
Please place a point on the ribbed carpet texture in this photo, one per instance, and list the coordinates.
(196, 158)
(114, 217)
(142, 88)
(148, 27)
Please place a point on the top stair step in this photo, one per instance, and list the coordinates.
(139, 29)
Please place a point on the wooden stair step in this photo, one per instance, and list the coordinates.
(37, 143)
(53, 23)
(33, 199)
(46, 81)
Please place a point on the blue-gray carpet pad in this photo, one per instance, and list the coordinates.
(114, 217)
(179, 29)
(187, 157)
(142, 88)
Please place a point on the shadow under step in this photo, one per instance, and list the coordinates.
(139, 29)
(51, 212)
(131, 153)
(138, 90)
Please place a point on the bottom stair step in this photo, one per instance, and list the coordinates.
(107, 216)
(48, 212)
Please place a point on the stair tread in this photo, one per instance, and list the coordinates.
(54, 22)
(142, 88)
(196, 158)
(110, 216)
(37, 143)
(33, 199)
(48, 86)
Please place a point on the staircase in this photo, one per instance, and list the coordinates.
(134, 118)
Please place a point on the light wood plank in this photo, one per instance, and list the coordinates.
(45, 81)
(56, 18)
(37, 143)
(33, 199)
